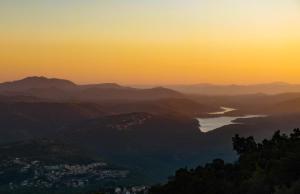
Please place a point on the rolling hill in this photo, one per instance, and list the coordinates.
(64, 90)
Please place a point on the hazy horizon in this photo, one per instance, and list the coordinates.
(151, 42)
(149, 85)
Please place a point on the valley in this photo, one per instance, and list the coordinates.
(141, 135)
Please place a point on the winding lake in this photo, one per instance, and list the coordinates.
(223, 111)
(210, 124)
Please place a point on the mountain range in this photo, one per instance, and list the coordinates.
(213, 89)
(148, 131)
(59, 89)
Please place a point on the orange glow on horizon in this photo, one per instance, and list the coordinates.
(227, 45)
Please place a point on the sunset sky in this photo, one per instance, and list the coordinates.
(151, 41)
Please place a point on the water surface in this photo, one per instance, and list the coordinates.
(210, 124)
(224, 111)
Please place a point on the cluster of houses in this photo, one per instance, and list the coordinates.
(36, 174)
(130, 121)
(132, 190)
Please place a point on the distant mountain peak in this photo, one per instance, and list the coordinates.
(53, 88)
(43, 79)
(36, 82)
(35, 78)
(103, 85)
(164, 89)
(111, 84)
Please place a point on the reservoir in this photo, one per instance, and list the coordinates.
(210, 124)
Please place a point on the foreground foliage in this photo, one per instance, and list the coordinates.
(272, 166)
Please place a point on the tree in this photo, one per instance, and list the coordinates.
(272, 166)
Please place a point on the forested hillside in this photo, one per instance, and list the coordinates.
(272, 166)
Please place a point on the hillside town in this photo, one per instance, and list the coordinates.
(130, 121)
(132, 190)
(37, 174)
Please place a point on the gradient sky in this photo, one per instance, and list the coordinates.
(151, 41)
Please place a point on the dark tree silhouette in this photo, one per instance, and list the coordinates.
(272, 166)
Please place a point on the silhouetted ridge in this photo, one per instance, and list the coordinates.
(102, 85)
(36, 83)
(234, 89)
(64, 90)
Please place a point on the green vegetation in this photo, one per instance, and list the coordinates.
(272, 166)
